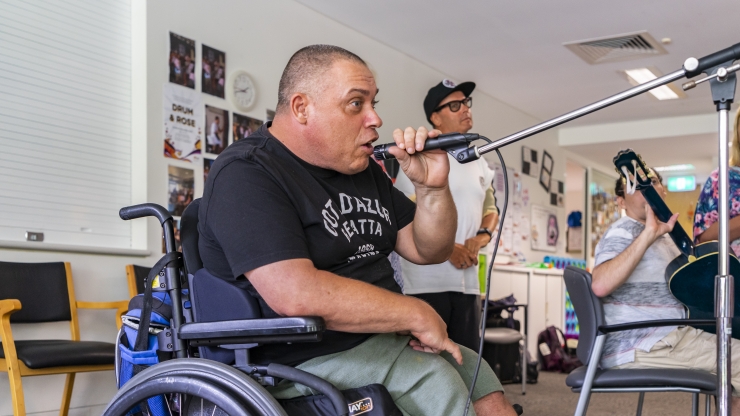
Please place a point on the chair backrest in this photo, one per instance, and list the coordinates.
(189, 237)
(589, 311)
(42, 289)
(212, 298)
(136, 276)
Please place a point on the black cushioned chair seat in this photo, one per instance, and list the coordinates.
(38, 354)
(703, 380)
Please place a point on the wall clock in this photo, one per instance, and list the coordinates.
(241, 90)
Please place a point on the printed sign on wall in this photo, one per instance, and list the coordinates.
(545, 231)
(183, 123)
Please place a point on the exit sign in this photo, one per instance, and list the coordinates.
(681, 183)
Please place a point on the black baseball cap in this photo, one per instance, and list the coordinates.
(438, 93)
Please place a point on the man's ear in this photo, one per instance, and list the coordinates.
(436, 120)
(299, 107)
(620, 202)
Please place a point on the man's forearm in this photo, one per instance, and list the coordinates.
(435, 224)
(296, 288)
(610, 275)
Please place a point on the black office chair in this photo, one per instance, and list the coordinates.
(589, 378)
(225, 325)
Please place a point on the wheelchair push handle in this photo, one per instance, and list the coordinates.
(145, 210)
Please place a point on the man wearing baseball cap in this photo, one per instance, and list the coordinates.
(452, 288)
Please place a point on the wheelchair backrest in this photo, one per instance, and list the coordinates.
(588, 307)
(212, 298)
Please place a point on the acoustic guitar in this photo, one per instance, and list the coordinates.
(690, 276)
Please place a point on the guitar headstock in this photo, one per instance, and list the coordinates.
(630, 166)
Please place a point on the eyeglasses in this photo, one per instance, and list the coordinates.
(455, 105)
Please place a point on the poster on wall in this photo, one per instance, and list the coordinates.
(243, 126)
(183, 123)
(217, 130)
(544, 231)
(557, 198)
(213, 76)
(546, 170)
(182, 60)
(529, 162)
(180, 189)
(515, 230)
(515, 184)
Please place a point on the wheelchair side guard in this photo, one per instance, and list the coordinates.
(370, 400)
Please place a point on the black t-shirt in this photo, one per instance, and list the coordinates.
(262, 204)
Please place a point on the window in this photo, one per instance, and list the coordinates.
(65, 121)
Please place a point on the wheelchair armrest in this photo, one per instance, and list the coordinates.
(241, 331)
(606, 329)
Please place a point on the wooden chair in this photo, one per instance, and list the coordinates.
(44, 292)
(136, 276)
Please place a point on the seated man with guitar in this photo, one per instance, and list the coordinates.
(631, 261)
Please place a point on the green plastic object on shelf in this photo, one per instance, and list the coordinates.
(482, 271)
(538, 265)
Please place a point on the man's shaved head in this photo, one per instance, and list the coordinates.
(305, 67)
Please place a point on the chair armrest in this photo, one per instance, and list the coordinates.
(272, 330)
(606, 329)
(121, 306)
(7, 308)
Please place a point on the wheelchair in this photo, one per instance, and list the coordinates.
(214, 325)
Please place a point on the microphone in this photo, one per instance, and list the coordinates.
(443, 141)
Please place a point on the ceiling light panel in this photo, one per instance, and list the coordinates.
(642, 75)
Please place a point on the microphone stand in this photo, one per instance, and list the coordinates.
(721, 76)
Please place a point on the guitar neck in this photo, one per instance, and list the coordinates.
(663, 213)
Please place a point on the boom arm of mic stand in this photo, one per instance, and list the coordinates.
(692, 67)
(547, 125)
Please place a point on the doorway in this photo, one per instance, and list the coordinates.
(575, 209)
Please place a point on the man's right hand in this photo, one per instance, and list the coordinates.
(432, 337)
(427, 169)
(462, 258)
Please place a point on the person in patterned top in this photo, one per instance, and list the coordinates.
(706, 227)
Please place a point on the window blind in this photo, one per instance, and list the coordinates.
(65, 120)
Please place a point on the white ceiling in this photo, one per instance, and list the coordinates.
(513, 49)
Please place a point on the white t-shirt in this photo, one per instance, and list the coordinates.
(468, 184)
(643, 297)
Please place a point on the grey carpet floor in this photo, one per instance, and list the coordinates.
(551, 397)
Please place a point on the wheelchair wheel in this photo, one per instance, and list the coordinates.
(214, 400)
(228, 384)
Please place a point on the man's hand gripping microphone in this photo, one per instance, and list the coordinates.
(456, 144)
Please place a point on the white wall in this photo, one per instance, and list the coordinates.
(258, 37)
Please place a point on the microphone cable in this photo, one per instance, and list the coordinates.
(488, 279)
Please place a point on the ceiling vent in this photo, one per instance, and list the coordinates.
(616, 48)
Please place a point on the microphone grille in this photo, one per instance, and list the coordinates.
(380, 152)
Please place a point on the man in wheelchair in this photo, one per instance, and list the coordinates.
(631, 260)
(298, 216)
